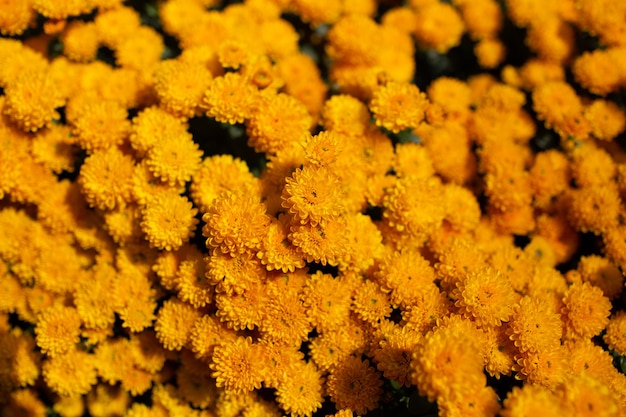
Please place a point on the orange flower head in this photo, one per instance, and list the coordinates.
(100, 124)
(601, 272)
(81, 41)
(398, 106)
(534, 327)
(237, 366)
(356, 385)
(180, 86)
(301, 393)
(169, 221)
(439, 26)
(31, 100)
(16, 17)
(607, 120)
(174, 323)
(174, 159)
(615, 336)
(58, 328)
(153, 125)
(345, 114)
(230, 99)
(70, 374)
(586, 311)
(106, 178)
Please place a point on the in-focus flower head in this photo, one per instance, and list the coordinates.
(301, 393)
(174, 323)
(99, 124)
(31, 100)
(356, 385)
(398, 106)
(230, 99)
(586, 311)
(153, 125)
(169, 221)
(237, 365)
(312, 196)
(180, 86)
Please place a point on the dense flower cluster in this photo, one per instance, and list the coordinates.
(268, 207)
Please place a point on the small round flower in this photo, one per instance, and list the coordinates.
(58, 330)
(607, 120)
(31, 100)
(438, 26)
(191, 282)
(284, 319)
(91, 298)
(356, 385)
(169, 221)
(602, 273)
(106, 178)
(301, 393)
(324, 243)
(180, 86)
(283, 120)
(237, 366)
(615, 336)
(532, 400)
(534, 326)
(486, 296)
(230, 99)
(174, 159)
(235, 223)
(277, 252)
(233, 273)
(242, 310)
(312, 195)
(596, 71)
(100, 124)
(586, 311)
(174, 323)
(70, 374)
(398, 106)
(208, 332)
(370, 303)
(142, 49)
(343, 113)
(594, 209)
(219, 173)
(153, 125)
(80, 41)
(16, 17)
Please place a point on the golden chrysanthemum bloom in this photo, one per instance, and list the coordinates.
(237, 366)
(100, 124)
(412, 159)
(371, 303)
(485, 296)
(219, 173)
(615, 336)
(58, 330)
(135, 300)
(588, 66)
(549, 176)
(592, 166)
(31, 100)
(174, 323)
(284, 318)
(174, 159)
(316, 12)
(398, 106)
(180, 86)
(105, 178)
(233, 274)
(207, 332)
(548, 367)
(142, 49)
(535, 326)
(430, 305)
(15, 17)
(312, 195)
(70, 374)
(230, 99)
(393, 350)
(594, 209)
(602, 273)
(153, 125)
(191, 282)
(235, 309)
(80, 41)
(235, 223)
(556, 103)
(169, 221)
(277, 252)
(532, 400)
(438, 26)
(301, 392)
(499, 352)
(607, 120)
(587, 396)
(446, 361)
(415, 207)
(324, 243)
(343, 113)
(356, 385)
(61, 10)
(283, 120)
(91, 297)
(327, 301)
(586, 311)
(54, 148)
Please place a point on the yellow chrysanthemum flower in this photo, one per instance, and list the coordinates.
(398, 106)
(236, 366)
(356, 385)
(174, 323)
(32, 98)
(169, 221)
(301, 393)
(174, 159)
(180, 86)
(70, 374)
(58, 330)
(230, 99)
(100, 124)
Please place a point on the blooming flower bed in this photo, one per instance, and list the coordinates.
(312, 208)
